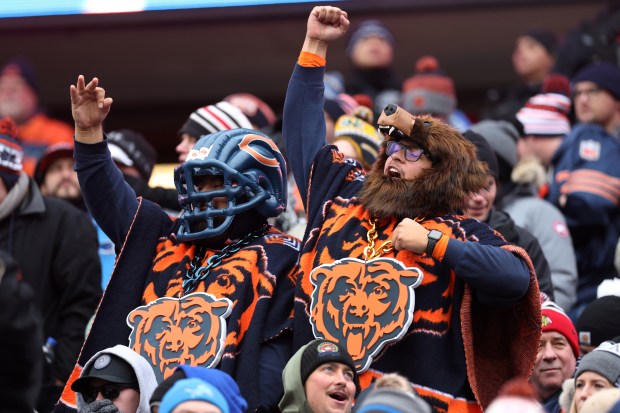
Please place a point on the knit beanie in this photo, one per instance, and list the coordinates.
(429, 90)
(555, 319)
(605, 74)
(255, 109)
(369, 28)
(546, 114)
(323, 351)
(360, 133)
(221, 380)
(23, 68)
(52, 153)
(214, 118)
(391, 400)
(192, 389)
(483, 152)
(604, 360)
(502, 136)
(599, 321)
(129, 148)
(11, 153)
(546, 38)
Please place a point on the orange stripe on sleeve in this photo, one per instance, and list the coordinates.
(307, 59)
(440, 247)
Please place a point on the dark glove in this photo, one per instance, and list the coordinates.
(100, 406)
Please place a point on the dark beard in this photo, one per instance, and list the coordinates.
(386, 197)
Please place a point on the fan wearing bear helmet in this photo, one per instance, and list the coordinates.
(213, 287)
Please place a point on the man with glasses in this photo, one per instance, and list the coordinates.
(114, 380)
(389, 268)
(586, 178)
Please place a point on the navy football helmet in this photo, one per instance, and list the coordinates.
(253, 172)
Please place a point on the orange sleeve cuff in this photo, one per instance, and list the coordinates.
(440, 247)
(307, 59)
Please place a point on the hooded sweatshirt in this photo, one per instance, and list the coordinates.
(294, 398)
(144, 373)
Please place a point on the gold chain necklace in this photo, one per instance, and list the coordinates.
(370, 252)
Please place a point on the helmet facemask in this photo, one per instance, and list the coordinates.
(208, 211)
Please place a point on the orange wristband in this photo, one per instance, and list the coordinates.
(307, 59)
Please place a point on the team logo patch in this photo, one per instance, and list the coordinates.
(102, 361)
(326, 348)
(585, 338)
(560, 228)
(172, 331)
(545, 321)
(363, 305)
(199, 154)
(590, 150)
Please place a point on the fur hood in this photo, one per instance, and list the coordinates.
(567, 396)
(456, 170)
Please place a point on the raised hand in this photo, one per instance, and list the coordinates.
(89, 108)
(327, 23)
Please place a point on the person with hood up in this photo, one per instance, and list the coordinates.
(116, 376)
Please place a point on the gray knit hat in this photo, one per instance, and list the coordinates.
(392, 400)
(604, 360)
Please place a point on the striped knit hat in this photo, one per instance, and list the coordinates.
(214, 118)
(546, 114)
(254, 108)
(11, 153)
(429, 90)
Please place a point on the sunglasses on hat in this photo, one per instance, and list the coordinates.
(109, 391)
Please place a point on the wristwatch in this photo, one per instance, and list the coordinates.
(433, 237)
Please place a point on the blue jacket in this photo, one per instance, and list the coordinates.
(586, 188)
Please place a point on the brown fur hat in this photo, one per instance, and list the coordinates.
(456, 170)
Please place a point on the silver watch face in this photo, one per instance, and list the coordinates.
(435, 235)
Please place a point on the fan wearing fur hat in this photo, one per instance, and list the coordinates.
(212, 287)
(388, 267)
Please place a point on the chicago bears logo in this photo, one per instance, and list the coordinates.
(364, 305)
(247, 145)
(188, 330)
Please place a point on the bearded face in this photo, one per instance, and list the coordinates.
(387, 196)
(415, 189)
(61, 180)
